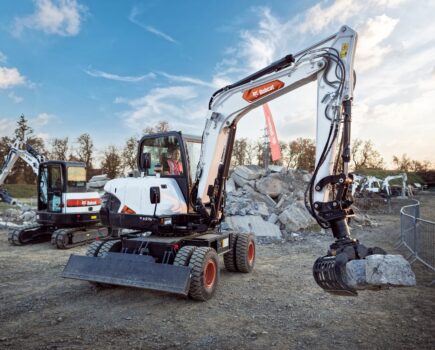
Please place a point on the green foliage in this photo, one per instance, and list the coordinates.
(21, 190)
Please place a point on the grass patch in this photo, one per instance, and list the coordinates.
(21, 190)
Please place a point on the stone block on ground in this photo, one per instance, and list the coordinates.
(276, 168)
(254, 224)
(239, 180)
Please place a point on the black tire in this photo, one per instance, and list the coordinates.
(204, 265)
(230, 256)
(93, 248)
(183, 255)
(109, 246)
(245, 252)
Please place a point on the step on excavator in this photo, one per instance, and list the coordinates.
(67, 215)
(172, 212)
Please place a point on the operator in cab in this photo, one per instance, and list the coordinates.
(174, 163)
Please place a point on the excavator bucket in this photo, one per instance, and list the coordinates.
(129, 270)
(331, 276)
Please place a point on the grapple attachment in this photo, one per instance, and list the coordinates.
(331, 276)
(129, 270)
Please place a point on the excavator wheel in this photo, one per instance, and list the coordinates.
(183, 255)
(230, 257)
(93, 248)
(100, 249)
(109, 246)
(204, 265)
(245, 252)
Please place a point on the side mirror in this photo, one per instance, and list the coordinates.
(145, 161)
(155, 195)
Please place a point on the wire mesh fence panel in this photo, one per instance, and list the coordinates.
(418, 235)
(425, 242)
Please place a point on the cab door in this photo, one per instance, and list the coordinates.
(50, 188)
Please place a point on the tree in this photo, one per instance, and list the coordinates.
(365, 156)
(240, 152)
(161, 126)
(59, 149)
(407, 164)
(85, 150)
(129, 154)
(21, 172)
(112, 162)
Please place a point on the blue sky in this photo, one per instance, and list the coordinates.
(111, 68)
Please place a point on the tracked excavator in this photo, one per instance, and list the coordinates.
(177, 213)
(67, 214)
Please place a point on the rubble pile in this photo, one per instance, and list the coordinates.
(269, 203)
(16, 217)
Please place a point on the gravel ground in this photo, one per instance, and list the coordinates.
(278, 306)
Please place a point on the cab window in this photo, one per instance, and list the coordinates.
(76, 177)
(165, 151)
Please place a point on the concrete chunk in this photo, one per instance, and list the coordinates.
(248, 173)
(393, 270)
(376, 271)
(254, 224)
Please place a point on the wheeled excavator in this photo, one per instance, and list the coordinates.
(67, 214)
(176, 216)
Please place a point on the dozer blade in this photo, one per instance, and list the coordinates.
(331, 276)
(129, 270)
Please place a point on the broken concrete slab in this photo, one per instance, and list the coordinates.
(251, 172)
(230, 185)
(240, 180)
(273, 185)
(254, 224)
(296, 217)
(392, 270)
(275, 168)
(377, 271)
(273, 218)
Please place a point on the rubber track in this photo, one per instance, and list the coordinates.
(14, 235)
(197, 290)
(230, 257)
(183, 255)
(242, 252)
(58, 238)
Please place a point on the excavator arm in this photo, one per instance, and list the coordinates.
(330, 63)
(18, 150)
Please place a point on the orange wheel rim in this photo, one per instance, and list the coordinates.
(210, 274)
(251, 252)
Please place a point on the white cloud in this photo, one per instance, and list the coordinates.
(3, 57)
(135, 12)
(318, 17)
(372, 34)
(42, 119)
(177, 104)
(60, 17)
(189, 80)
(128, 79)
(7, 126)
(15, 98)
(10, 77)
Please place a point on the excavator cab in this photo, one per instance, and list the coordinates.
(63, 199)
